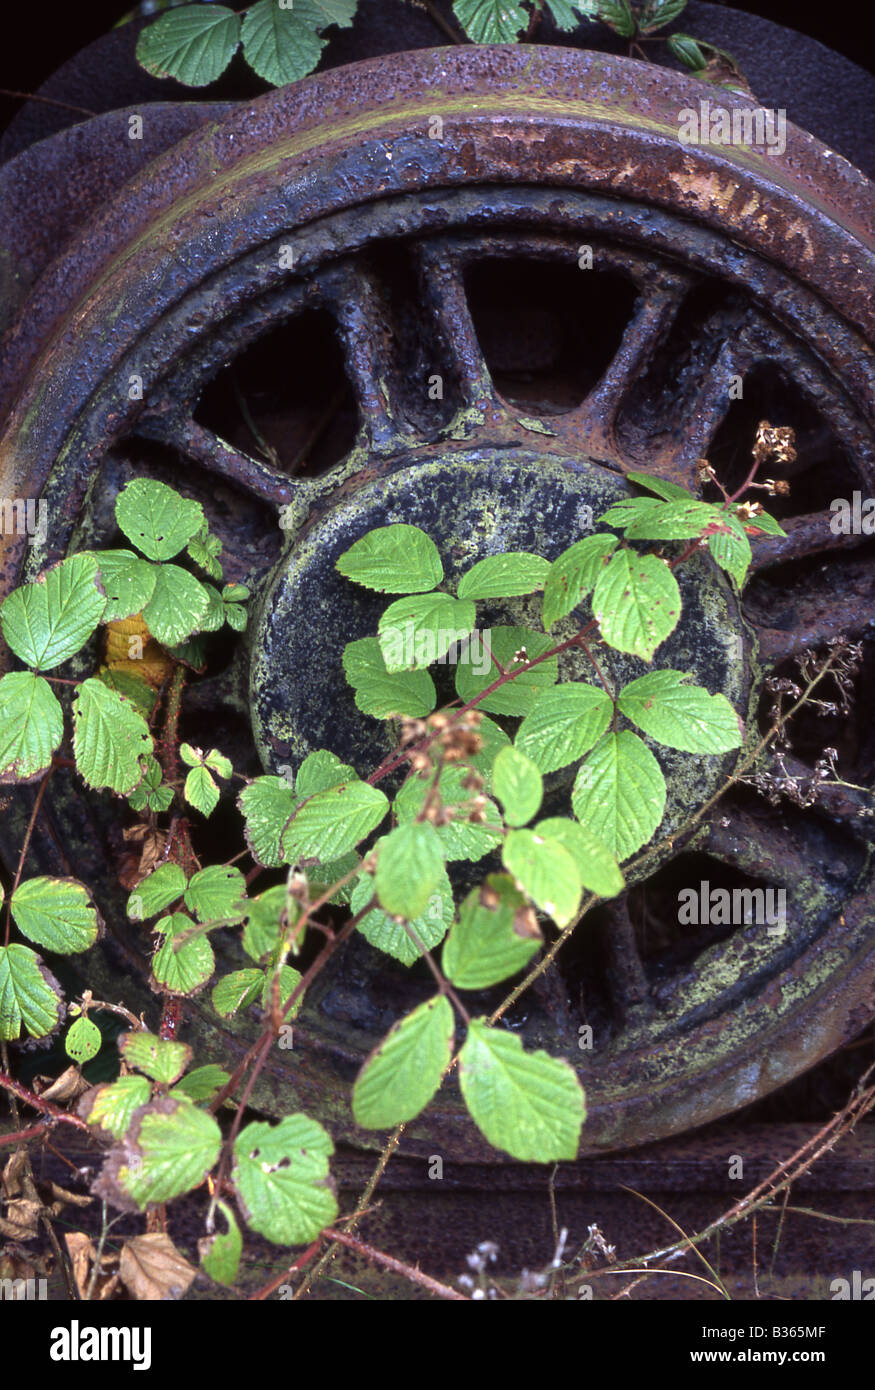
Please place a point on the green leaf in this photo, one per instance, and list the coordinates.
(567, 14)
(681, 716)
(217, 894)
(404, 1071)
(494, 739)
(619, 16)
(595, 863)
(267, 918)
(29, 994)
(677, 521)
(334, 821)
(491, 21)
(128, 580)
(629, 510)
(109, 739)
(574, 574)
(205, 550)
(319, 772)
(339, 12)
(289, 979)
(460, 839)
(48, 621)
(564, 724)
(689, 52)
(529, 1104)
(191, 653)
(282, 1179)
(112, 1106)
(381, 694)
(187, 969)
(31, 726)
(495, 937)
(169, 1149)
(214, 617)
(200, 791)
(763, 522)
(163, 887)
(637, 603)
(151, 794)
(410, 868)
(518, 785)
(731, 550)
(83, 1041)
(517, 696)
(282, 46)
(266, 804)
(163, 1060)
(619, 793)
(661, 12)
(141, 696)
(56, 913)
(545, 871)
(504, 576)
(661, 486)
(236, 991)
(220, 1253)
(157, 519)
(219, 763)
(194, 44)
(236, 617)
(418, 630)
(396, 559)
(203, 1083)
(178, 606)
(235, 593)
(390, 935)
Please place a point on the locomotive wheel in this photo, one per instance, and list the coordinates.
(386, 261)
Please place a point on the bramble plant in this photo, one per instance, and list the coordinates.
(470, 789)
(282, 40)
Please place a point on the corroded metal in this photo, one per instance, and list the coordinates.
(534, 152)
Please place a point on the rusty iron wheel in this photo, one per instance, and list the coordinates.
(286, 284)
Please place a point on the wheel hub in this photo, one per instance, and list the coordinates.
(472, 503)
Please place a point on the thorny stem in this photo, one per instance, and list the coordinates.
(442, 23)
(363, 1203)
(44, 1215)
(46, 101)
(415, 1276)
(45, 1107)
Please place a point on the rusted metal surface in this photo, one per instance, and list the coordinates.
(540, 151)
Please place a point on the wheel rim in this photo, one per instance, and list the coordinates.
(185, 273)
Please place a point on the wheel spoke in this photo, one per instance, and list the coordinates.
(839, 600)
(806, 536)
(363, 316)
(630, 988)
(597, 416)
(258, 479)
(444, 297)
(703, 416)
